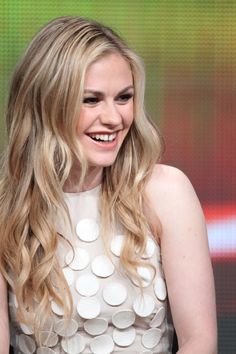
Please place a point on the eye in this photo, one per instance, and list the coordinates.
(90, 100)
(125, 97)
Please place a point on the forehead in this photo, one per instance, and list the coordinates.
(110, 70)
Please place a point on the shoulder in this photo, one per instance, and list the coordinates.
(171, 194)
(166, 180)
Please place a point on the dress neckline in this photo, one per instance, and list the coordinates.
(92, 191)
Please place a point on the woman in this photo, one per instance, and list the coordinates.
(93, 230)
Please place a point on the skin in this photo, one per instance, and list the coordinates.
(186, 260)
(4, 321)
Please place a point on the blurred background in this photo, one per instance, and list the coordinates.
(189, 49)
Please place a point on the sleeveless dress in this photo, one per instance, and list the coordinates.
(111, 313)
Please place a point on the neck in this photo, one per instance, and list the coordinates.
(93, 178)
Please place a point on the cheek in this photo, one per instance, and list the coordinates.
(129, 115)
(82, 122)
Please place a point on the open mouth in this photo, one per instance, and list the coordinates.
(106, 138)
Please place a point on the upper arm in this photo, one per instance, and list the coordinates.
(4, 321)
(185, 255)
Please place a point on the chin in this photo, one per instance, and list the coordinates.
(101, 164)
(102, 161)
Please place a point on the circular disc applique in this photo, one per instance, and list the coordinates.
(114, 294)
(146, 276)
(123, 319)
(48, 339)
(88, 307)
(69, 275)
(102, 266)
(117, 244)
(87, 285)
(56, 308)
(151, 338)
(26, 329)
(102, 344)
(143, 305)
(73, 344)
(124, 337)
(26, 344)
(96, 326)
(45, 350)
(160, 289)
(87, 230)
(77, 260)
(66, 328)
(150, 248)
(158, 318)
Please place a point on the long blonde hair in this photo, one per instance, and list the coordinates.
(45, 98)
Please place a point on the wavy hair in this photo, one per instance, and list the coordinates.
(42, 113)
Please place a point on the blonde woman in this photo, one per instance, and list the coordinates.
(95, 234)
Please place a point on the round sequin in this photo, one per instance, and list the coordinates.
(48, 325)
(45, 350)
(69, 275)
(73, 344)
(102, 266)
(158, 318)
(102, 344)
(146, 276)
(124, 337)
(150, 249)
(87, 285)
(123, 319)
(26, 344)
(87, 230)
(151, 338)
(96, 326)
(88, 308)
(117, 244)
(58, 310)
(77, 260)
(66, 328)
(26, 329)
(114, 294)
(160, 289)
(143, 305)
(48, 339)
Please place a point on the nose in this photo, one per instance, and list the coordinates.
(110, 114)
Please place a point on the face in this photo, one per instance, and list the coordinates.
(107, 109)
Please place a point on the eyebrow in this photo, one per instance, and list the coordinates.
(100, 93)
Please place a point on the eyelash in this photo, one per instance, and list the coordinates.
(125, 97)
(92, 100)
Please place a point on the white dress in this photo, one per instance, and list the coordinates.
(111, 314)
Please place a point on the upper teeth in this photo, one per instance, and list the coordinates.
(104, 137)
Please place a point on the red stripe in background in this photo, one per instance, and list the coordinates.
(224, 263)
(218, 212)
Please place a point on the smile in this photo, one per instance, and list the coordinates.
(103, 137)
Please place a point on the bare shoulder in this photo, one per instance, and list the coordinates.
(166, 180)
(171, 193)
